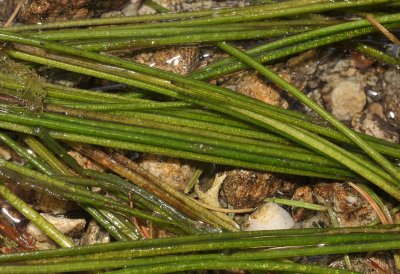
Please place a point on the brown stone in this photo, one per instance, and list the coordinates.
(350, 208)
(36, 11)
(373, 122)
(175, 172)
(245, 188)
(255, 85)
(304, 194)
(181, 60)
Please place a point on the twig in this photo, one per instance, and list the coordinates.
(14, 14)
(382, 29)
(371, 201)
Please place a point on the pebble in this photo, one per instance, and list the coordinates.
(45, 203)
(350, 208)
(35, 11)
(392, 110)
(373, 122)
(70, 227)
(375, 263)
(247, 188)
(347, 99)
(95, 235)
(391, 79)
(256, 86)
(303, 194)
(85, 162)
(269, 216)
(132, 8)
(175, 172)
(391, 102)
(5, 153)
(181, 60)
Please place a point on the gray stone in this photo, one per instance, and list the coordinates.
(95, 235)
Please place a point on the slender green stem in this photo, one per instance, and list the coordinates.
(151, 30)
(279, 151)
(35, 218)
(257, 13)
(119, 106)
(194, 179)
(45, 154)
(173, 267)
(104, 222)
(128, 230)
(134, 33)
(178, 125)
(121, 43)
(154, 5)
(379, 55)
(294, 203)
(36, 162)
(297, 247)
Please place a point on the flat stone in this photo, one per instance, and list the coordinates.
(373, 122)
(85, 162)
(43, 202)
(173, 171)
(69, 227)
(347, 99)
(254, 85)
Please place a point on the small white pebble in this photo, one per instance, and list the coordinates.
(268, 217)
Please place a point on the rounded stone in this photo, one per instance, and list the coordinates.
(347, 99)
(245, 188)
(268, 217)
